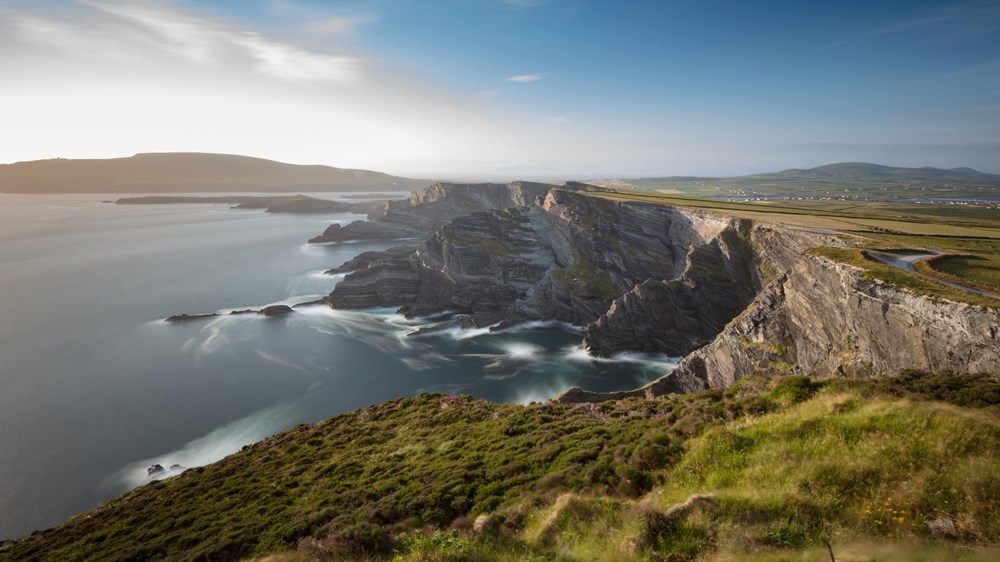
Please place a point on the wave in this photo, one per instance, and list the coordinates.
(655, 360)
(214, 446)
(533, 325)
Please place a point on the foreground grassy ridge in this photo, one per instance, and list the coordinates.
(877, 270)
(852, 464)
(406, 464)
(769, 467)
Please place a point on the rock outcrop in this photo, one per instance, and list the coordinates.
(826, 318)
(677, 315)
(569, 259)
(432, 207)
(269, 311)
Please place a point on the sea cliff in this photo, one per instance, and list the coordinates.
(734, 296)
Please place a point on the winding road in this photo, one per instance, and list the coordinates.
(906, 261)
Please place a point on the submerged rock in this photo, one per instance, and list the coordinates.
(276, 310)
(155, 470)
(190, 317)
(269, 311)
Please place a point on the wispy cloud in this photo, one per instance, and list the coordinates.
(510, 3)
(521, 3)
(336, 26)
(525, 78)
(955, 22)
(984, 75)
(205, 42)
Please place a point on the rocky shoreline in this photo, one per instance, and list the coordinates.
(732, 296)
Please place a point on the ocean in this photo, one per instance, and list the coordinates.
(95, 386)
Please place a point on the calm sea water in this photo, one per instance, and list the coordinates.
(95, 387)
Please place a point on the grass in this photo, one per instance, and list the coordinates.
(882, 272)
(487, 245)
(763, 471)
(582, 276)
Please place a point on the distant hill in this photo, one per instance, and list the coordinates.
(853, 180)
(188, 172)
(967, 171)
(862, 171)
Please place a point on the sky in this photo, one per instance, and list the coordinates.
(490, 89)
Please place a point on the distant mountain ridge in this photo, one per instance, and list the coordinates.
(188, 172)
(864, 170)
(843, 180)
(853, 171)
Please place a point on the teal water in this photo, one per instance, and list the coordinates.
(95, 387)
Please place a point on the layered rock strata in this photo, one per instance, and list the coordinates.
(826, 318)
(735, 297)
(430, 208)
(577, 258)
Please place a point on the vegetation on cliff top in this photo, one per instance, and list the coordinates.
(771, 467)
(916, 283)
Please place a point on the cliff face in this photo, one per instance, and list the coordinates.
(432, 207)
(739, 298)
(822, 317)
(617, 267)
(673, 316)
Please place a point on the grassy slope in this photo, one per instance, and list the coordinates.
(772, 467)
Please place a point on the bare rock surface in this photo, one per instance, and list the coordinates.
(430, 208)
(576, 258)
(825, 318)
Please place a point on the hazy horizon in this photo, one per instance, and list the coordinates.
(490, 89)
(526, 177)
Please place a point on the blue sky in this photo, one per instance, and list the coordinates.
(508, 88)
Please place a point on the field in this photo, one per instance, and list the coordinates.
(968, 235)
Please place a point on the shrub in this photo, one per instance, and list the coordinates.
(794, 389)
